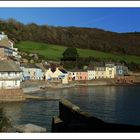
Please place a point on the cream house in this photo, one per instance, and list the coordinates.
(48, 74)
(56, 74)
(72, 75)
(52, 74)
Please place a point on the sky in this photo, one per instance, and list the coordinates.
(112, 19)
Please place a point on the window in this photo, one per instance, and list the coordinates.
(110, 72)
(15, 82)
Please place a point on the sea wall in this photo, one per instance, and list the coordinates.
(72, 119)
(11, 95)
(94, 82)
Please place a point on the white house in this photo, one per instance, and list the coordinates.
(64, 76)
(91, 74)
(15, 50)
(7, 44)
(3, 36)
(10, 75)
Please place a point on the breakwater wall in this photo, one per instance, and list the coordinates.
(9, 95)
(72, 119)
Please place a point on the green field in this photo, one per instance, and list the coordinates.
(54, 52)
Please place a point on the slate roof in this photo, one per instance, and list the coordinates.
(5, 47)
(77, 70)
(29, 66)
(46, 66)
(5, 42)
(9, 66)
(63, 71)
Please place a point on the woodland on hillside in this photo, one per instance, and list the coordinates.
(89, 38)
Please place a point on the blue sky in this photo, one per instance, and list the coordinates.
(112, 19)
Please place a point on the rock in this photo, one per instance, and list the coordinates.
(23, 53)
(32, 61)
(24, 60)
(36, 57)
(30, 128)
(31, 55)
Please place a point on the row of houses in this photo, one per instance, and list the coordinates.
(11, 74)
(108, 71)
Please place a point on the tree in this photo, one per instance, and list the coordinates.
(70, 57)
(70, 54)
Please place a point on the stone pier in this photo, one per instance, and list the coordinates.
(72, 119)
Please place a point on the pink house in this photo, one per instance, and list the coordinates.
(82, 75)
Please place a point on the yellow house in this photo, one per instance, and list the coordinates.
(100, 72)
(110, 70)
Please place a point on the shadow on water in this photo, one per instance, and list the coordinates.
(35, 112)
(5, 123)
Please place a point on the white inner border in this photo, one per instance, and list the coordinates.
(70, 136)
(69, 4)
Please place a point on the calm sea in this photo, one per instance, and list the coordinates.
(119, 104)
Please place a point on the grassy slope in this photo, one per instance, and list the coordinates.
(54, 52)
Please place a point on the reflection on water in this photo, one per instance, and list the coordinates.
(110, 103)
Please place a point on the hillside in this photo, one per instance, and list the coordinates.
(54, 52)
(85, 38)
